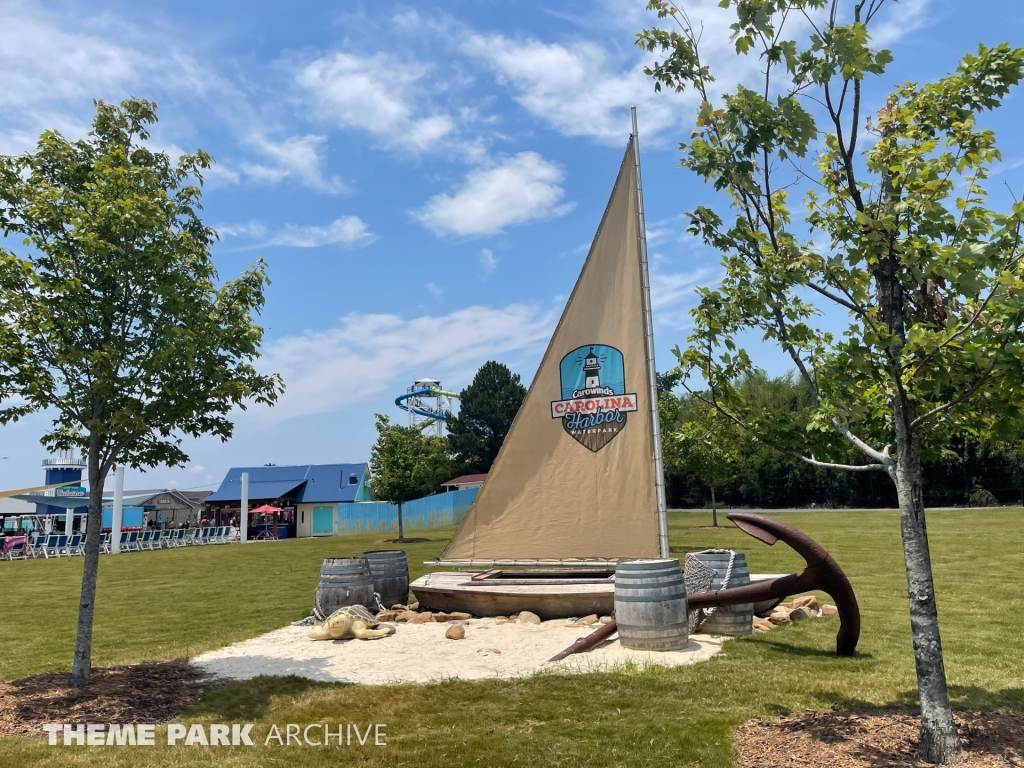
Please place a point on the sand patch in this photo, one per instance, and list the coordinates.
(420, 653)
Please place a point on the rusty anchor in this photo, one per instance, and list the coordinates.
(822, 573)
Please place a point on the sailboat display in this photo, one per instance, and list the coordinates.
(578, 483)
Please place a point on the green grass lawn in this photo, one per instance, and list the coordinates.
(164, 605)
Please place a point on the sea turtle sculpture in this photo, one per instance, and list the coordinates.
(350, 621)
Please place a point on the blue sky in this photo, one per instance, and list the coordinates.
(422, 179)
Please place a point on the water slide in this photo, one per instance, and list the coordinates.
(413, 401)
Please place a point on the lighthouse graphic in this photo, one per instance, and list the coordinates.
(591, 370)
(594, 405)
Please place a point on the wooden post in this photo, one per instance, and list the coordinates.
(243, 518)
(117, 514)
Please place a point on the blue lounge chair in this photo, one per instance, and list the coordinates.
(74, 546)
(55, 544)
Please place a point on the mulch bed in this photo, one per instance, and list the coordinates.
(879, 739)
(139, 693)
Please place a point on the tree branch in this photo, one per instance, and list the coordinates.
(845, 467)
(956, 401)
(885, 461)
(837, 299)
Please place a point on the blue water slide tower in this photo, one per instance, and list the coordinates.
(66, 468)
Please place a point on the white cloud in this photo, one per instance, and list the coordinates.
(197, 469)
(329, 370)
(51, 72)
(42, 64)
(487, 261)
(673, 294)
(581, 88)
(435, 291)
(347, 231)
(575, 88)
(378, 94)
(899, 20)
(669, 289)
(520, 189)
(251, 229)
(299, 158)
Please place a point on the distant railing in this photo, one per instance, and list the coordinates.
(64, 463)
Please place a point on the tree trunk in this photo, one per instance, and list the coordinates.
(1020, 480)
(963, 466)
(81, 668)
(714, 509)
(401, 530)
(939, 741)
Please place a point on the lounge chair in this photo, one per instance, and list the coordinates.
(175, 538)
(39, 550)
(132, 543)
(35, 548)
(74, 545)
(55, 544)
(15, 548)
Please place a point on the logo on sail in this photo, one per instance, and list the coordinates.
(594, 400)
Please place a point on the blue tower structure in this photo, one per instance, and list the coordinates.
(64, 469)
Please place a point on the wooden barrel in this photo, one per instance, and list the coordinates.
(650, 605)
(390, 572)
(734, 620)
(343, 581)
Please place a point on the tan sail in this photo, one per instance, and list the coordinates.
(576, 475)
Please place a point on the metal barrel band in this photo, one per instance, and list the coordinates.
(630, 584)
(649, 598)
(659, 628)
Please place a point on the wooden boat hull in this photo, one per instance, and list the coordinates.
(558, 597)
(549, 594)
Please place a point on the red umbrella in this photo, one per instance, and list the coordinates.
(266, 509)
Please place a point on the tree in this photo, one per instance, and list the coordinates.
(897, 236)
(114, 321)
(405, 464)
(487, 408)
(704, 444)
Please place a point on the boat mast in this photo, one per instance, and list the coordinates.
(645, 278)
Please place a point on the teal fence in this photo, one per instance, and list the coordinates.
(429, 512)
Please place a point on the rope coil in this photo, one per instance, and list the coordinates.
(691, 559)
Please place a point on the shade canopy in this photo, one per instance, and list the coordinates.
(22, 491)
(67, 502)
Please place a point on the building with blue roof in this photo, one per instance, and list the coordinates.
(312, 491)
